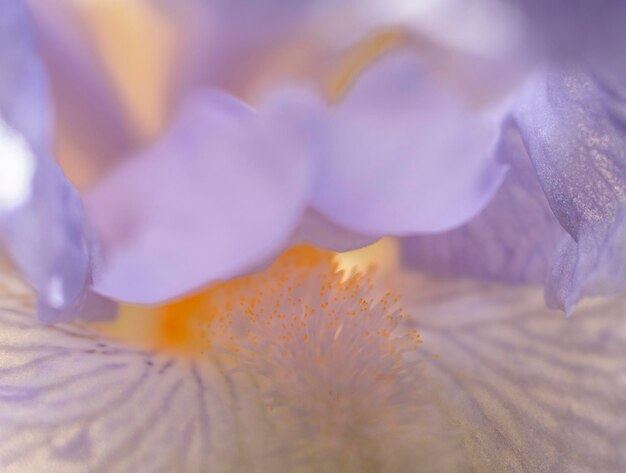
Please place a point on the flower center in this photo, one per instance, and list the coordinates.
(302, 282)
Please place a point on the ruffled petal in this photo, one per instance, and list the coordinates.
(24, 99)
(513, 240)
(530, 391)
(218, 195)
(41, 217)
(573, 126)
(404, 156)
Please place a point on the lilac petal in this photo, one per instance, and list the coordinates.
(573, 126)
(528, 390)
(218, 195)
(40, 213)
(514, 239)
(23, 86)
(301, 113)
(404, 156)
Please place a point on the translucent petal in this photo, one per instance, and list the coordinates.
(514, 239)
(573, 126)
(530, 390)
(218, 195)
(41, 217)
(392, 166)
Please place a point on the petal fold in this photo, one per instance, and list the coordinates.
(514, 239)
(405, 156)
(573, 126)
(41, 216)
(217, 196)
(529, 390)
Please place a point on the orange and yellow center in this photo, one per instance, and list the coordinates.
(191, 325)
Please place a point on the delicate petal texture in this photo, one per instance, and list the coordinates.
(530, 390)
(404, 156)
(573, 126)
(23, 87)
(41, 216)
(218, 195)
(527, 390)
(72, 401)
(514, 239)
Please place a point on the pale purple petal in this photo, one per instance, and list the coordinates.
(23, 86)
(514, 239)
(218, 195)
(41, 216)
(574, 128)
(405, 156)
(301, 111)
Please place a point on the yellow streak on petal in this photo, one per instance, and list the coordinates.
(348, 70)
(136, 41)
(382, 256)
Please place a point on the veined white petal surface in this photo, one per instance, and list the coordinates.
(73, 401)
(530, 390)
(525, 390)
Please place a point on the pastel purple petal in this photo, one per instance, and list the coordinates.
(41, 218)
(217, 196)
(300, 112)
(514, 239)
(573, 126)
(405, 156)
(24, 98)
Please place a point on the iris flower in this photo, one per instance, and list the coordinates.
(200, 197)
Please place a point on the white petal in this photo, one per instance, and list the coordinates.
(530, 390)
